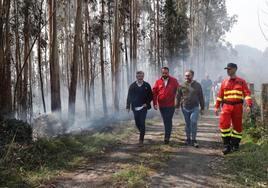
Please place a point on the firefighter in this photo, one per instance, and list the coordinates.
(231, 96)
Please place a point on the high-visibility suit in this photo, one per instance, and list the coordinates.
(231, 95)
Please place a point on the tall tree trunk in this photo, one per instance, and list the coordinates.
(116, 55)
(110, 20)
(131, 38)
(67, 26)
(207, 4)
(126, 54)
(158, 33)
(193, 33)
(30, 101)
(24, 96)
(16, 105)
(40, 61)
(86, 61)
(5, 60)
(155, 33)
(102, 61)
(152, 18)
(92, 77)
(53, 58)
(135, 34)
(75, 59)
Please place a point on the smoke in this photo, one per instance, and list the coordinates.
(57, 123)
(89, 114)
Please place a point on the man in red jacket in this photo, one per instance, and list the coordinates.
(164, 93)
(233, 92)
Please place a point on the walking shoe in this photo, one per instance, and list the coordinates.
(140, 143)
(195, 144)
(187, 142)
(227, 150)
(235, 144)
(166, 142)
(235, 148)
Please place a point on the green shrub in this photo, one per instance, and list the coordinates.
(18, 130)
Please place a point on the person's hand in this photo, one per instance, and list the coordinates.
(155, 107)
(202, 112)
(144, 105)
(248, 109)
(216, 110)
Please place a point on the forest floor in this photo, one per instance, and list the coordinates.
(154, 164)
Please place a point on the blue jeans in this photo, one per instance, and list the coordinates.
(207, 99)
(167, 115)
(191, 118)
(140, 117)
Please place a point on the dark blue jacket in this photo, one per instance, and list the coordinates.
(137, 96)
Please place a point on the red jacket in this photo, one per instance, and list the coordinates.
(165, 96)
(233, 90)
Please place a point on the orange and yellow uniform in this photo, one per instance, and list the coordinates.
(232, 94)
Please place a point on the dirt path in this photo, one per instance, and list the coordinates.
(195, 167)
(175, 165)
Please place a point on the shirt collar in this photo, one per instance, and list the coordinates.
(230, 79)
(190, 82)
(165, 79)
(138, 83)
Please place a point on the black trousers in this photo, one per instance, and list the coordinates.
(140, 117)
(167, 115)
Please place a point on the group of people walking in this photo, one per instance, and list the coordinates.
(169, 96)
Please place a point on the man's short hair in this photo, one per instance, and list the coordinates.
(190, 70)
(139, 72)
(165, 68)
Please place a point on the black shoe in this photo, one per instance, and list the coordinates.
(195, 144)
(166, 142)
(140, 143)
(187, 142)
(235, 148)
(226, 150)
(235, 144)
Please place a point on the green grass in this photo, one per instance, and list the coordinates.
(132, 176)
(249, 166)
(137, 173)
(33, 164)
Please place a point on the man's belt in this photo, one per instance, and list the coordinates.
(233, 102)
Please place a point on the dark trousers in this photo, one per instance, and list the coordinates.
(167, 115)
(140, 117)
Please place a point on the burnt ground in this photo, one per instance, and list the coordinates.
(180, 166)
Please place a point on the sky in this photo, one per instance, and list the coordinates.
(246, 30)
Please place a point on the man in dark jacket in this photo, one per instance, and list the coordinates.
(189, 97)
(164, 93)
(138, 99)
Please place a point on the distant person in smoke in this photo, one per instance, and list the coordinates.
(164, 93)
(139, 101)
(206, 87)
(189, 98)
(216, 88)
